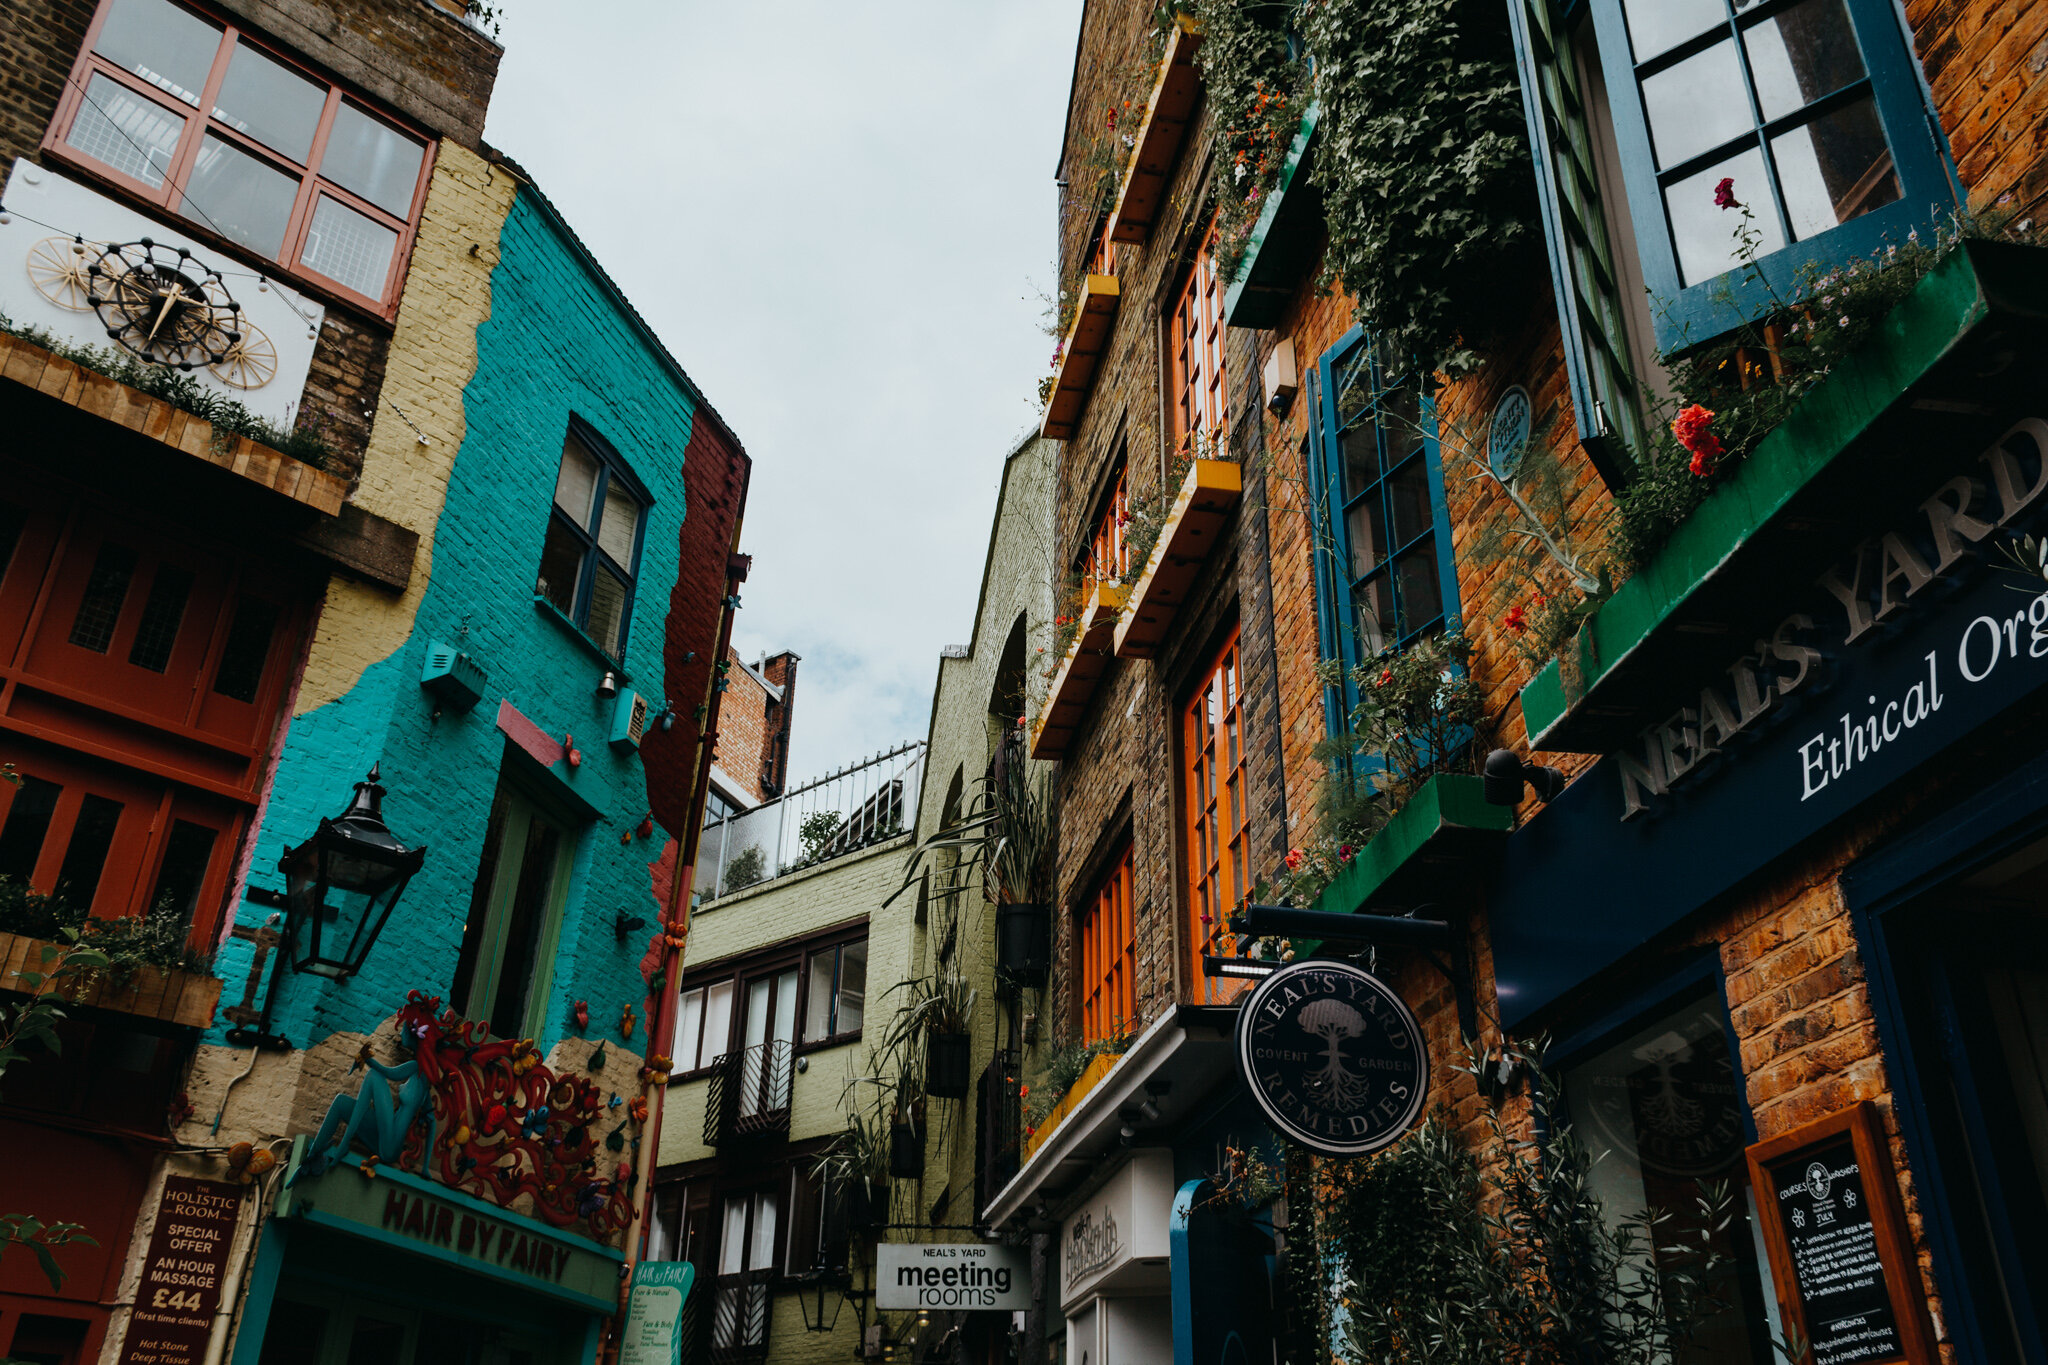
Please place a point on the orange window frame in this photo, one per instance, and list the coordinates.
(198, 124)
(1109, 551)
(1195, 396)
(1218, 814)
(1108, 931)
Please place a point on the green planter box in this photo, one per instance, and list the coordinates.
(1447, 822)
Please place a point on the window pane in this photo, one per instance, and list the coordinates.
(183, 870)
(1656, 26)
(785, 1007)
(86, 856)
(1798, 56)
(691, 1032)
(853, 985)
(763, 1252)
(818, 998)
(1408, 496)
(1834, 168)
(1361, 449)
(1705, 235)
(1697, 105)
(1400, 423)
(106, 588)
(162, 614)
(717, 1019)
(270, 102)
(133, 135)
(607, 610)
(239, 196)
(561, 563)
(349, 248)
(576, 485)
(372, 159)
(28, 822)
(171, 48)
(732, 1247)
(248, 647)
(1375, 605)
(1421, 600)
(620, 525)
(1367, 523)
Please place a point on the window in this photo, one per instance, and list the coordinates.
(1387, 574)
(1109, 553)
(198, 117)
(836, 992)
(592, 549)
(1109, 947)
(1811, 107)
(1195, 353)
(515, 916)
(746, 1265)
(704, 1026)
(1218, 812)
(767, 1031)
(1659, 1110)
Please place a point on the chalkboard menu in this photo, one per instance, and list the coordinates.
(1844, 1271)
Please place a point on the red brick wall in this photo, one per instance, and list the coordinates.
(1987, 63)
(743, 730)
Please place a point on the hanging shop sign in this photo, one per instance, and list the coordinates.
(181, 1278)
(1119, 1239)
(1333, 1057)
(654, 1313)
(1845, 1272)
(954, 1275)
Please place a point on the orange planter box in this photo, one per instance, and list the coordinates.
(1090, 1078)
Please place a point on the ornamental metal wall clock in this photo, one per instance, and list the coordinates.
(163, 305)
(1333, 1057)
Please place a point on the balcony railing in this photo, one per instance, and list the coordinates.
(842, 812)
(739, 1317)
(1001, 1125)
(749, 1094)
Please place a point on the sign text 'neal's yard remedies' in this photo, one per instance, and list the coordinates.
(957, 1275)
(1333, 1057)
(1867, 589)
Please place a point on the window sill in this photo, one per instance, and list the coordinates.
(827, 1044)
(1281, 248)
(1073, 686)
(575, 632)
(1728, 572)
(1211, 489)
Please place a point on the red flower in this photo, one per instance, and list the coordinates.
(1386, 676)
(1724, 194)
(1694, 429)
(1517, 620)
(1293, 859)
(1344, 852)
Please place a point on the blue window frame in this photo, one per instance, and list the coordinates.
(1812, 107)
(1384, 572)
(591, 556)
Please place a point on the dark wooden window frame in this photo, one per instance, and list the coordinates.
(610, 465)
(789, 953)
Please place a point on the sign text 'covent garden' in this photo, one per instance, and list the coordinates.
(1871, 587)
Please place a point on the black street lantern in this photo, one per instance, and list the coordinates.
(340, 885)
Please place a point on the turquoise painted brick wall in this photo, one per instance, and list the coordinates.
(557, 343)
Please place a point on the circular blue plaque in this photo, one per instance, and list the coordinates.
(1333, 1057)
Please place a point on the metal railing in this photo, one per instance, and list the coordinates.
(739, 1319)
(749, 1093)
(839, 813)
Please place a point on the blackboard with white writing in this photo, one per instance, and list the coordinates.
(1837, 1269)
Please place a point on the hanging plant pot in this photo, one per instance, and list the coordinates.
(1023, 942)
(857, 1208)
(906, 1150)
(946, 1065)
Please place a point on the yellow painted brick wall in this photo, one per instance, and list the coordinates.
(433, 355)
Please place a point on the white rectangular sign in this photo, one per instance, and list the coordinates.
(957, 1275)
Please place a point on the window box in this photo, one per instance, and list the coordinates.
(1080, 356)
(35, 368)
(1073, 686)
(1090, 1078)
(1159, 140)
(1211, 489)
(1926, 388)
(1284, 244)
(1447, 829)
(183, 998)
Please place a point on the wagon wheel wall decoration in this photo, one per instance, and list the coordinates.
(57, 268)
(250, 362)
(162, 305)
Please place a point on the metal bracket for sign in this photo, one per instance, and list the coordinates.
(1432, 936)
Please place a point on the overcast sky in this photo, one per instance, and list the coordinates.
(839, 217)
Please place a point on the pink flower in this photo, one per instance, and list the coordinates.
(1293, 859)
(1694, 429)
(1724, 194)
(1344, 852)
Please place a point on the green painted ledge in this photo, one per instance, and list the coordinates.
(1564, 704)
(1426, 829)
(1255, 298)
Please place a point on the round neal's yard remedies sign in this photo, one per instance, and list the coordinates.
(1333, 1057)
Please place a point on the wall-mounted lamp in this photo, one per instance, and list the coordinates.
(1281, 380)
(1507, 770)
(608, 685)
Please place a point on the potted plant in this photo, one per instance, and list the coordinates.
(855, 1171)
(938, 1015)
(947, 1065)
(1021, 837)
(906, 1146)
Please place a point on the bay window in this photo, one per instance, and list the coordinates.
(197, 116)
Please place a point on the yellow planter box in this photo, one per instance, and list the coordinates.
(1207, 495)
(1073, 685)
(1090, 1078)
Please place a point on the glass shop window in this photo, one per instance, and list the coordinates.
(242, 142)
(592, 550)
(1660, 1112)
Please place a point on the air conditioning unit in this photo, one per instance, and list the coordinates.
(629, 721)
(454, 679)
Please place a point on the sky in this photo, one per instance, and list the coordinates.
(840, 219)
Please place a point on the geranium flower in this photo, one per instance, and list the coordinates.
(1386, 676)
(1293, 859)
(1724, 194)
(1344, 852)
(1517, 620)
(1694, 429)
